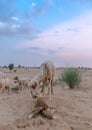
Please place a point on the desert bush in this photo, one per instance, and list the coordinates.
(19, 66)
(71, 77)
(11, 66)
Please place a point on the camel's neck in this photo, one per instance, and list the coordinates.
(39, 77)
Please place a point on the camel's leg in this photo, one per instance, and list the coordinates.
(21, 87)
(51, 87)
(49, 90)
(3, 89)
(9, 89)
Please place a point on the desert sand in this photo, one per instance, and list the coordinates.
(73, 108)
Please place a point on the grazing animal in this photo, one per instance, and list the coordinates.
(44, 79)
(34, 84)
(15, 86)
(49, 74)
(23, 82)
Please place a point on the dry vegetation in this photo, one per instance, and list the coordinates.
(73, 107)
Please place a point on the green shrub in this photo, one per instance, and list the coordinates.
(11, 66)
(19, 66)
(71, 77)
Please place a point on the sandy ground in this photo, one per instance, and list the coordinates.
(73, 107)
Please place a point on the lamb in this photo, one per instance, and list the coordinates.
(5, 84)
(23, 82)
(45, 76)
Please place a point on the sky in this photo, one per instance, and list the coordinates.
(32, 31)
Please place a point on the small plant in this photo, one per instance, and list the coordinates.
(19, 66)
(11, 66)
(71, 77)
(5, 66)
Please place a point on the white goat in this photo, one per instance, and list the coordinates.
(45, 76)
(5, 84)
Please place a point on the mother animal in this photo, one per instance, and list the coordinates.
(45, 76)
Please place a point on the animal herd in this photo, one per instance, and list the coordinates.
(36, 85)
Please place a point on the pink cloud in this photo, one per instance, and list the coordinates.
(71, 40)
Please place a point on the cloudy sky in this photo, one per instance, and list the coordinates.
(32, 31)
